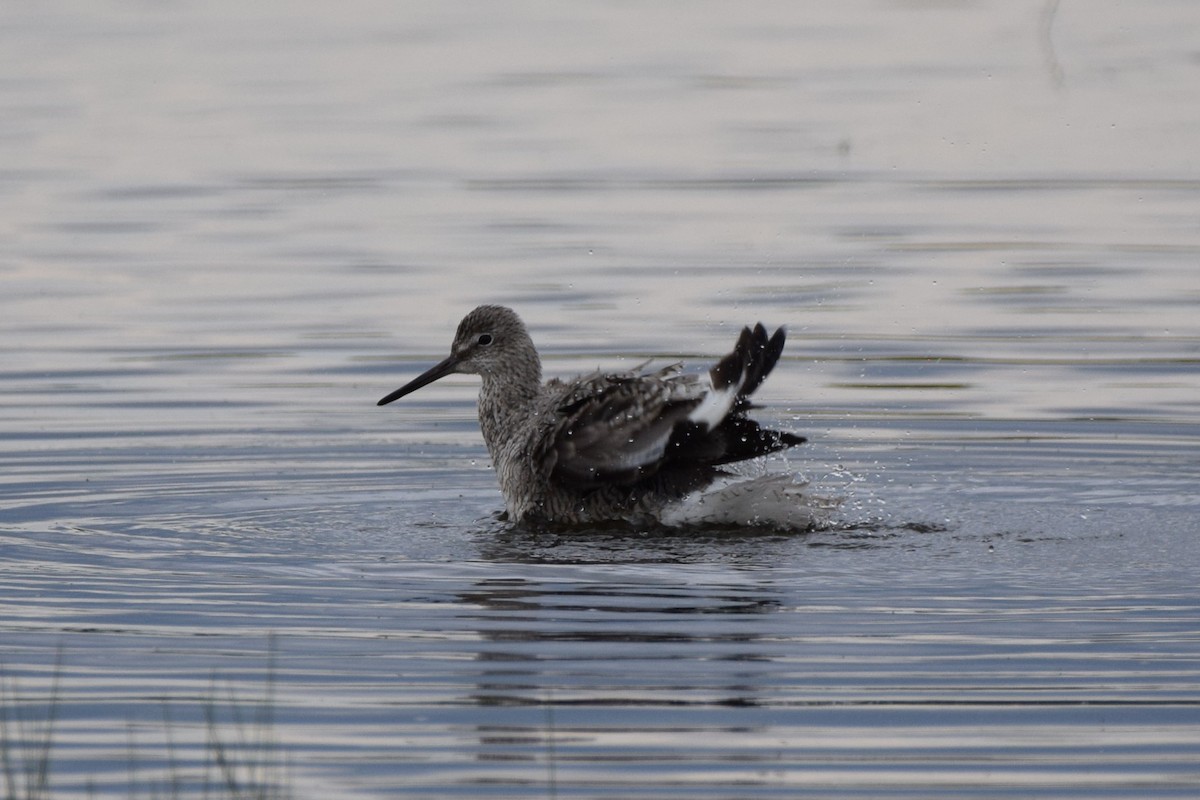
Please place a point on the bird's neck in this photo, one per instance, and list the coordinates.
(505, 402)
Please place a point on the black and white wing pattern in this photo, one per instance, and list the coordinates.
(625, 427)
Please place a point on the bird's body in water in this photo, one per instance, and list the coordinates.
(635, 447)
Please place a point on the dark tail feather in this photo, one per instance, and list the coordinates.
(751, 361)
(729, 370)
(764, 353)
(746, 439)
(736, 439)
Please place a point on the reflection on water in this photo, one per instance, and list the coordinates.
(230, 227)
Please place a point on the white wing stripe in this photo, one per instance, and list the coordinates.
(716, 403)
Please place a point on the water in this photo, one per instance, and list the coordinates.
(230, 228)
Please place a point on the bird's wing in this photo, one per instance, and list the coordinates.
(616, 428)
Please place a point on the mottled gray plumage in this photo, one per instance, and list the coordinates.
(630, 446)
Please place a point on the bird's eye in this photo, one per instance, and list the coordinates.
(484, 339)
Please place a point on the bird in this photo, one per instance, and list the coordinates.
(637, 447)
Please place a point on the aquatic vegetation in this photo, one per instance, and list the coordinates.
(241, 759)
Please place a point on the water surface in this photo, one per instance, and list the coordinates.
(230, 228)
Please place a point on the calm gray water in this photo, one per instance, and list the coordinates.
(227, 229)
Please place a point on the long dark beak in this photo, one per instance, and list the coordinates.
(439, 370)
